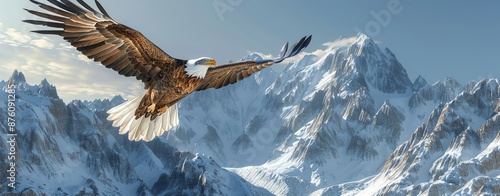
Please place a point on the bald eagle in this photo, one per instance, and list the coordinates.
(125, 50)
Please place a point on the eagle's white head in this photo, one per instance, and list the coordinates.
(199, 67)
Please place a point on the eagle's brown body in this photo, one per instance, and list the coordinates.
(166, 92)
(131, 54)
(169, 84)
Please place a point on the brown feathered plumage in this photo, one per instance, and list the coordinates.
(125, 50)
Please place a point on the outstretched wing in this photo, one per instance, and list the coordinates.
(102, 39)
(231, 73)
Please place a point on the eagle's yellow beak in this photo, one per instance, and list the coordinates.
(211, 62)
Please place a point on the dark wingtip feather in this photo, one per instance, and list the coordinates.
(36, 2)
(64, 7)
(297, 47)
(44, 15)
(29, 21)
(87, 6)
(308, 40)
(32, 12)
(101, 8)
(283, 51)
(53, 32)
(74, 6)
(45, 23)
(305, 44)
(300, 45)
(301, 42)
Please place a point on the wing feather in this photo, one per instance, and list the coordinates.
(224, 75)
(64, 7)
(86, 6)
(75, 7)
(52, 9)
(121, 65)
(106, 54)
(231, 73)
(47, 16)
(99, 37)
(101, 8)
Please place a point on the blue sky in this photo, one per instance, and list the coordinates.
(434, 39)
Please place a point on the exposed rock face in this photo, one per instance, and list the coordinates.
(71, 149)
(17, 78)
(384, 72)
(437, 93)
(419, 83)
(455, 152)
(390, 121)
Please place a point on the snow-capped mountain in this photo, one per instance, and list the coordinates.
(291, 129)
(349, 122)
(455, 152)
(71, 149)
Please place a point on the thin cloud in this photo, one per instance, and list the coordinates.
(40, 58)
(90, 91)
(341, 42)
(66, 46)
(42, 43)
(17, 36)
(2, 36)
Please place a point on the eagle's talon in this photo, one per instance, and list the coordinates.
(151, 108)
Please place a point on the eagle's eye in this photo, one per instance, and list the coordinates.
(200, 62)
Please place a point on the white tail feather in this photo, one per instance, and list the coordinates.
(142, 128)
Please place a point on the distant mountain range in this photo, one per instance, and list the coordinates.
(350, 122)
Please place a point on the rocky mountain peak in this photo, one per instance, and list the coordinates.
(419, 83)
(380, 68)
(252, 57)
(45, 88)
(117, 99)
(17, 78)
(362, 44)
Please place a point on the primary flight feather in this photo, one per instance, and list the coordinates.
(125, 50)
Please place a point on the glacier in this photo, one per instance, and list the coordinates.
(348, 122)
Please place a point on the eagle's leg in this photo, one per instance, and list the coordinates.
(151, 108)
